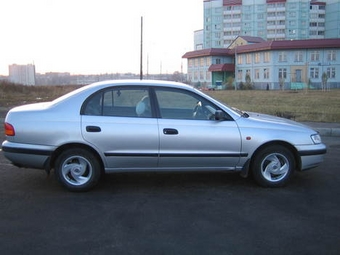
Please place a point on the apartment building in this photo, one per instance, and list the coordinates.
(22, 74)
(224, 20)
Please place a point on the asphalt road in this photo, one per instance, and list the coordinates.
(172, 213)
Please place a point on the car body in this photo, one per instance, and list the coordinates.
(142, 125)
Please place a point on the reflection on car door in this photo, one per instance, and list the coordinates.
(190, 143)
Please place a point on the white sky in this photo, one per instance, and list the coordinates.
(98, 36)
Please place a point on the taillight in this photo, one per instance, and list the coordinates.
(9, 129)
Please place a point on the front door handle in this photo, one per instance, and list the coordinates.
(170, 131)
(93, 129)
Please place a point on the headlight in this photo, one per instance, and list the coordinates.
(316, 138)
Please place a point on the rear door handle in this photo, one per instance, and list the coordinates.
(170, 131)
(93, 129)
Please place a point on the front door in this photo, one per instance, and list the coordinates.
(190, 137)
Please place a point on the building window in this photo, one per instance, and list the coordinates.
(292, 14)
(257, 57)
(314, 73)
(266, 57)
(257, 74)
(315, 56)
(331, 55)
(282, 73)
(266, 73)
(218, 61)
(202, 62)
(260, 16)
(239, 75)
(298, 56)
(217, 43)
(331, 72)
(248, 58)
(282, 56)
(208, 76)
(239, 59)
(195, 76)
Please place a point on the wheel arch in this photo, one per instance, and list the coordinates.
(64, 147)
(281, 143)
(248, 166)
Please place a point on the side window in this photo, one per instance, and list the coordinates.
(178, 104)
(120, 102)
(93, 106)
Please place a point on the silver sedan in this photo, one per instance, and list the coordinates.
(133, 125)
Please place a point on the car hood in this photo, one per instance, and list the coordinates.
(271, 120)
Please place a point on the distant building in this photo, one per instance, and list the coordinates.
(289, 64)
(22, 74)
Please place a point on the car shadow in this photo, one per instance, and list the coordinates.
(169, 181)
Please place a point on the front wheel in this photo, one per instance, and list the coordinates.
(77, 169)
(273, 166)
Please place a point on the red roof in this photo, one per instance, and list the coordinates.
(222, 68)
(317, 3)
(206, 52)
(267, 45)
(232, 2)
(251, 39)
(275, 1)
(290, 45)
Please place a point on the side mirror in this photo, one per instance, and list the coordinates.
(219, 115)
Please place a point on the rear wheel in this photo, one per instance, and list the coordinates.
(273, 166)
(77, 169)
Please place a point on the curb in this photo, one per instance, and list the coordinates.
(333, 132)
(325, 129)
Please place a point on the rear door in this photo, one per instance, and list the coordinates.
(119, 123)
(190, 137)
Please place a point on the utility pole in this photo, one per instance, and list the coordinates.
(141, 48)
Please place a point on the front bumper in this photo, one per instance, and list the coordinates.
(311, 155)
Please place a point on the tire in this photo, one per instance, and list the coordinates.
(77, 169)
(273, 166)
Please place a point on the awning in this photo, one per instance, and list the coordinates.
(222, 68)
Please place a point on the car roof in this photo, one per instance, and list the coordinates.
(136, 82)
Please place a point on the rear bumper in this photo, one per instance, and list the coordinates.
(26, 155)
